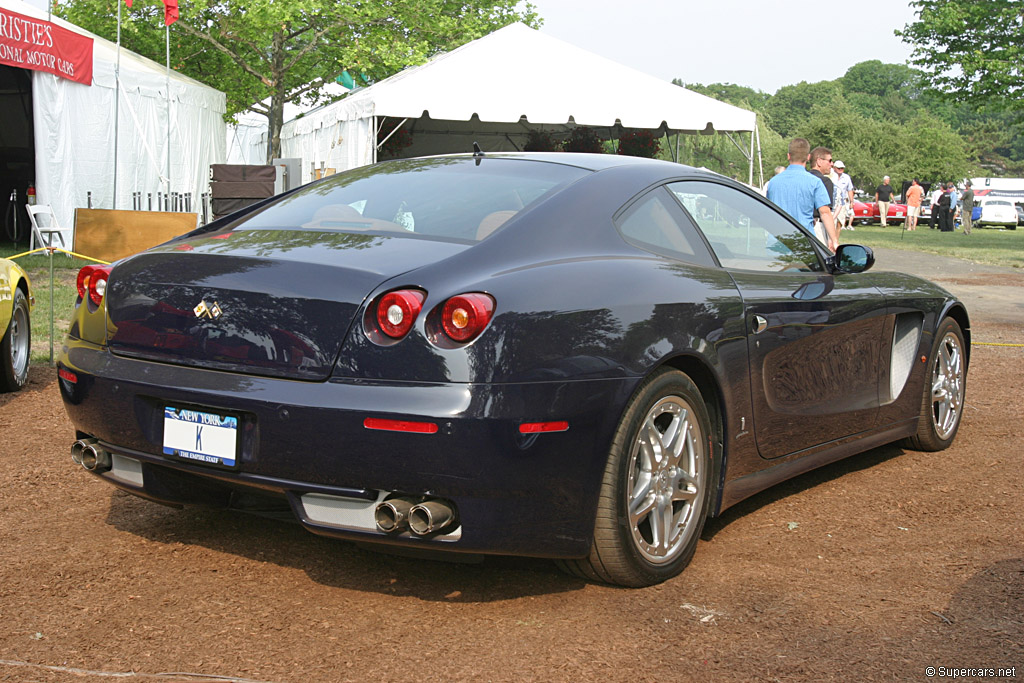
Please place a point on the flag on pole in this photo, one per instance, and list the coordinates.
(129, 3)
(170, 11)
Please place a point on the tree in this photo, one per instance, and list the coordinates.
(792, 104)
(972, 49)
(263, 53)
(738, 95)
(876, 78)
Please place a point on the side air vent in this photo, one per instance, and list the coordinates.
(906, 338)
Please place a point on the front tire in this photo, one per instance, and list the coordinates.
(942, 404)
(656, 489)
(16, 346)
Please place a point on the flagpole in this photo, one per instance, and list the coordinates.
(167, 33)
(117, 98)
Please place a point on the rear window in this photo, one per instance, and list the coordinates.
(454, 198)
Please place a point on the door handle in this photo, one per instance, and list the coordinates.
(760, 324)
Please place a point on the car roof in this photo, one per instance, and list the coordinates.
(590, 162)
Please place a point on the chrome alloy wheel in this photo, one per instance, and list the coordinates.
(19, 331)
(667, 478)
(947, 386)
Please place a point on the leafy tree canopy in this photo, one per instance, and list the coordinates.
(738, 95)
(792, 104)
(876, 78)
(972, 50)
(263, 53)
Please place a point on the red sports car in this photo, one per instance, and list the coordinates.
(867, 212)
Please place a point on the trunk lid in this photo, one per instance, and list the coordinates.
(263, 302)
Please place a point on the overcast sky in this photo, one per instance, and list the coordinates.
(764, 45)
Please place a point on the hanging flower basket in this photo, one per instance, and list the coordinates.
(639, 143)
(583, 139)
(539, 141)
(394, 145)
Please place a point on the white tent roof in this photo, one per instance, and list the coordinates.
(518, 71)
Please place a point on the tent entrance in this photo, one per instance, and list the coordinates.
(17, 151)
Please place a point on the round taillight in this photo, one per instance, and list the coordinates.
(98, 286)
(92, 282)
(397, 311)
(465, 316)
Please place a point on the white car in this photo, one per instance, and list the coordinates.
(997, 211)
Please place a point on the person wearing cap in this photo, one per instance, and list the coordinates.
(915, 193)
(844, 197)
(967, 200)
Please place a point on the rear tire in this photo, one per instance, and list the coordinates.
(16, 346)
(945, 386)
(656, 489)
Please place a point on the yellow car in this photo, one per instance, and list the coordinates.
(15, 306)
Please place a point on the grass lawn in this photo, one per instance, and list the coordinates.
(993, 246)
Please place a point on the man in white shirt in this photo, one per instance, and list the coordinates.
(844, 197)
(936, 193)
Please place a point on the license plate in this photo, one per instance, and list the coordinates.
(899, 214)
(204, 437)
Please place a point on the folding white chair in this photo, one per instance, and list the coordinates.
(45, 226)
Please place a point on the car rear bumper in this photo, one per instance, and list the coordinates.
(306, 444)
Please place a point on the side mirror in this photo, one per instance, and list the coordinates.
(852, 258)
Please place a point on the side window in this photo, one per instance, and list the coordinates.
(744, 232)
(655, 223)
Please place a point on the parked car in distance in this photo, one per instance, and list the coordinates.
(867, 212)
(15, 312)
(997, 211)
(572, 356)
(1020, 214)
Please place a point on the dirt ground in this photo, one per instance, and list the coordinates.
(871, 569)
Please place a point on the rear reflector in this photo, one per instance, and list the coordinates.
(538, 427)
(68, 375)
(400, 426)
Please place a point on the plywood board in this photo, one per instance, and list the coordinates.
(110, 235)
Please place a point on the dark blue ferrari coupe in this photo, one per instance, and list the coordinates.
(579, 357)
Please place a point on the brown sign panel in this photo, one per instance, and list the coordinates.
(110, 235)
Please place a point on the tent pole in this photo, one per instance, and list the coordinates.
(750, 175)
(167, 34)
(117, 98)
(381, 143)
(760, 165)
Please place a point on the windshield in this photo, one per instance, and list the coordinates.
(997, 202)
(455, 198)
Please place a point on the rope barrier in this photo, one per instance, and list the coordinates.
(51, 250)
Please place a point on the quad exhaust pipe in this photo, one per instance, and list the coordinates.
(420, 516)
(393, 514)
(90, 455)
(431, 516)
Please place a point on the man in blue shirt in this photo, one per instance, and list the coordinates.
(799, 193)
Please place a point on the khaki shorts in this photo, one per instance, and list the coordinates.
(842, 213)
(913, 212)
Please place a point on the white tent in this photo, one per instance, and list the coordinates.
(494, 91)
(76, 128)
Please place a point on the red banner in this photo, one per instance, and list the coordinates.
(40, 45)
